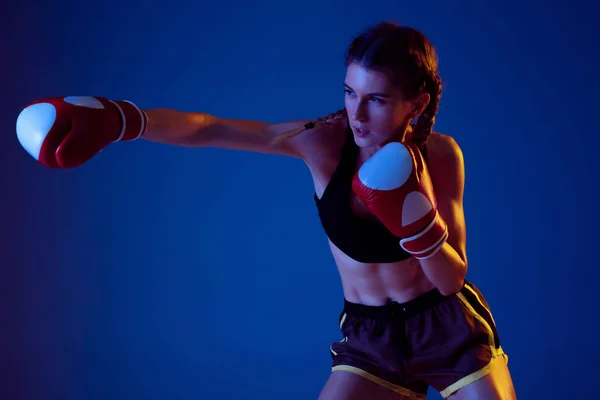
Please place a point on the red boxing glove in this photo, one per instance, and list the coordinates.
(396, 187)
(66, 132)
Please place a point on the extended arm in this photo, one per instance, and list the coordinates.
(196, 129)
(66, 132)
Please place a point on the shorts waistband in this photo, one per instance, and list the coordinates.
(394, 309)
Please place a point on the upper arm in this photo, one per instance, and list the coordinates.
(446, 167)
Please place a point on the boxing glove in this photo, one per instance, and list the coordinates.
(396, 187)
(66, 132)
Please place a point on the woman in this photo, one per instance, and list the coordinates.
(410, 319)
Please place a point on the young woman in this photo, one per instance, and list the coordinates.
(390, 197)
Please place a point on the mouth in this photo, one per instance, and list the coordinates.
(361, 132)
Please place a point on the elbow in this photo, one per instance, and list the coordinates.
(199, 129)
(457, 277)
(453, 283)
(451, 288)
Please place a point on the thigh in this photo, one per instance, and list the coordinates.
(344, 385)
(462, 357)
(497, 385)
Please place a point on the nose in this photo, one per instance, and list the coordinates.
(360, 112)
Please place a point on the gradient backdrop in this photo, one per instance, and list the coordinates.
(156, 272)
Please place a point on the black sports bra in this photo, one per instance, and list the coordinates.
(366, 241)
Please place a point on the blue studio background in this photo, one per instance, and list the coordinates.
(157, 272)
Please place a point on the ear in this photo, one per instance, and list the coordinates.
(420, 104)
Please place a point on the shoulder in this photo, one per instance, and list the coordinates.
(322, 140)
(445, 162)
(444, 149)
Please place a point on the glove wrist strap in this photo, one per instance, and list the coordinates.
(134, 120)
(429, 241)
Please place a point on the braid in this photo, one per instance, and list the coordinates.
(426, 120)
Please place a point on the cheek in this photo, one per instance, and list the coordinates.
(384, 117)
(348, 105)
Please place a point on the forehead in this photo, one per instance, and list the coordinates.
(364, 79)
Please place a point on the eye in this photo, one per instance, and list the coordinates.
(377, 100)
(348, 92)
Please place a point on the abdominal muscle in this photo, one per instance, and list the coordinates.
(378, 284)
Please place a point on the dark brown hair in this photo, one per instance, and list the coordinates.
(413, 61)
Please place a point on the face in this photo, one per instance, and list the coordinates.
(377, 111)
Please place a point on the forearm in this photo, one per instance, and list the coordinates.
(445, 269)
(177, 127)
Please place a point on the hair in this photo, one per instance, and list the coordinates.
(413, 62)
